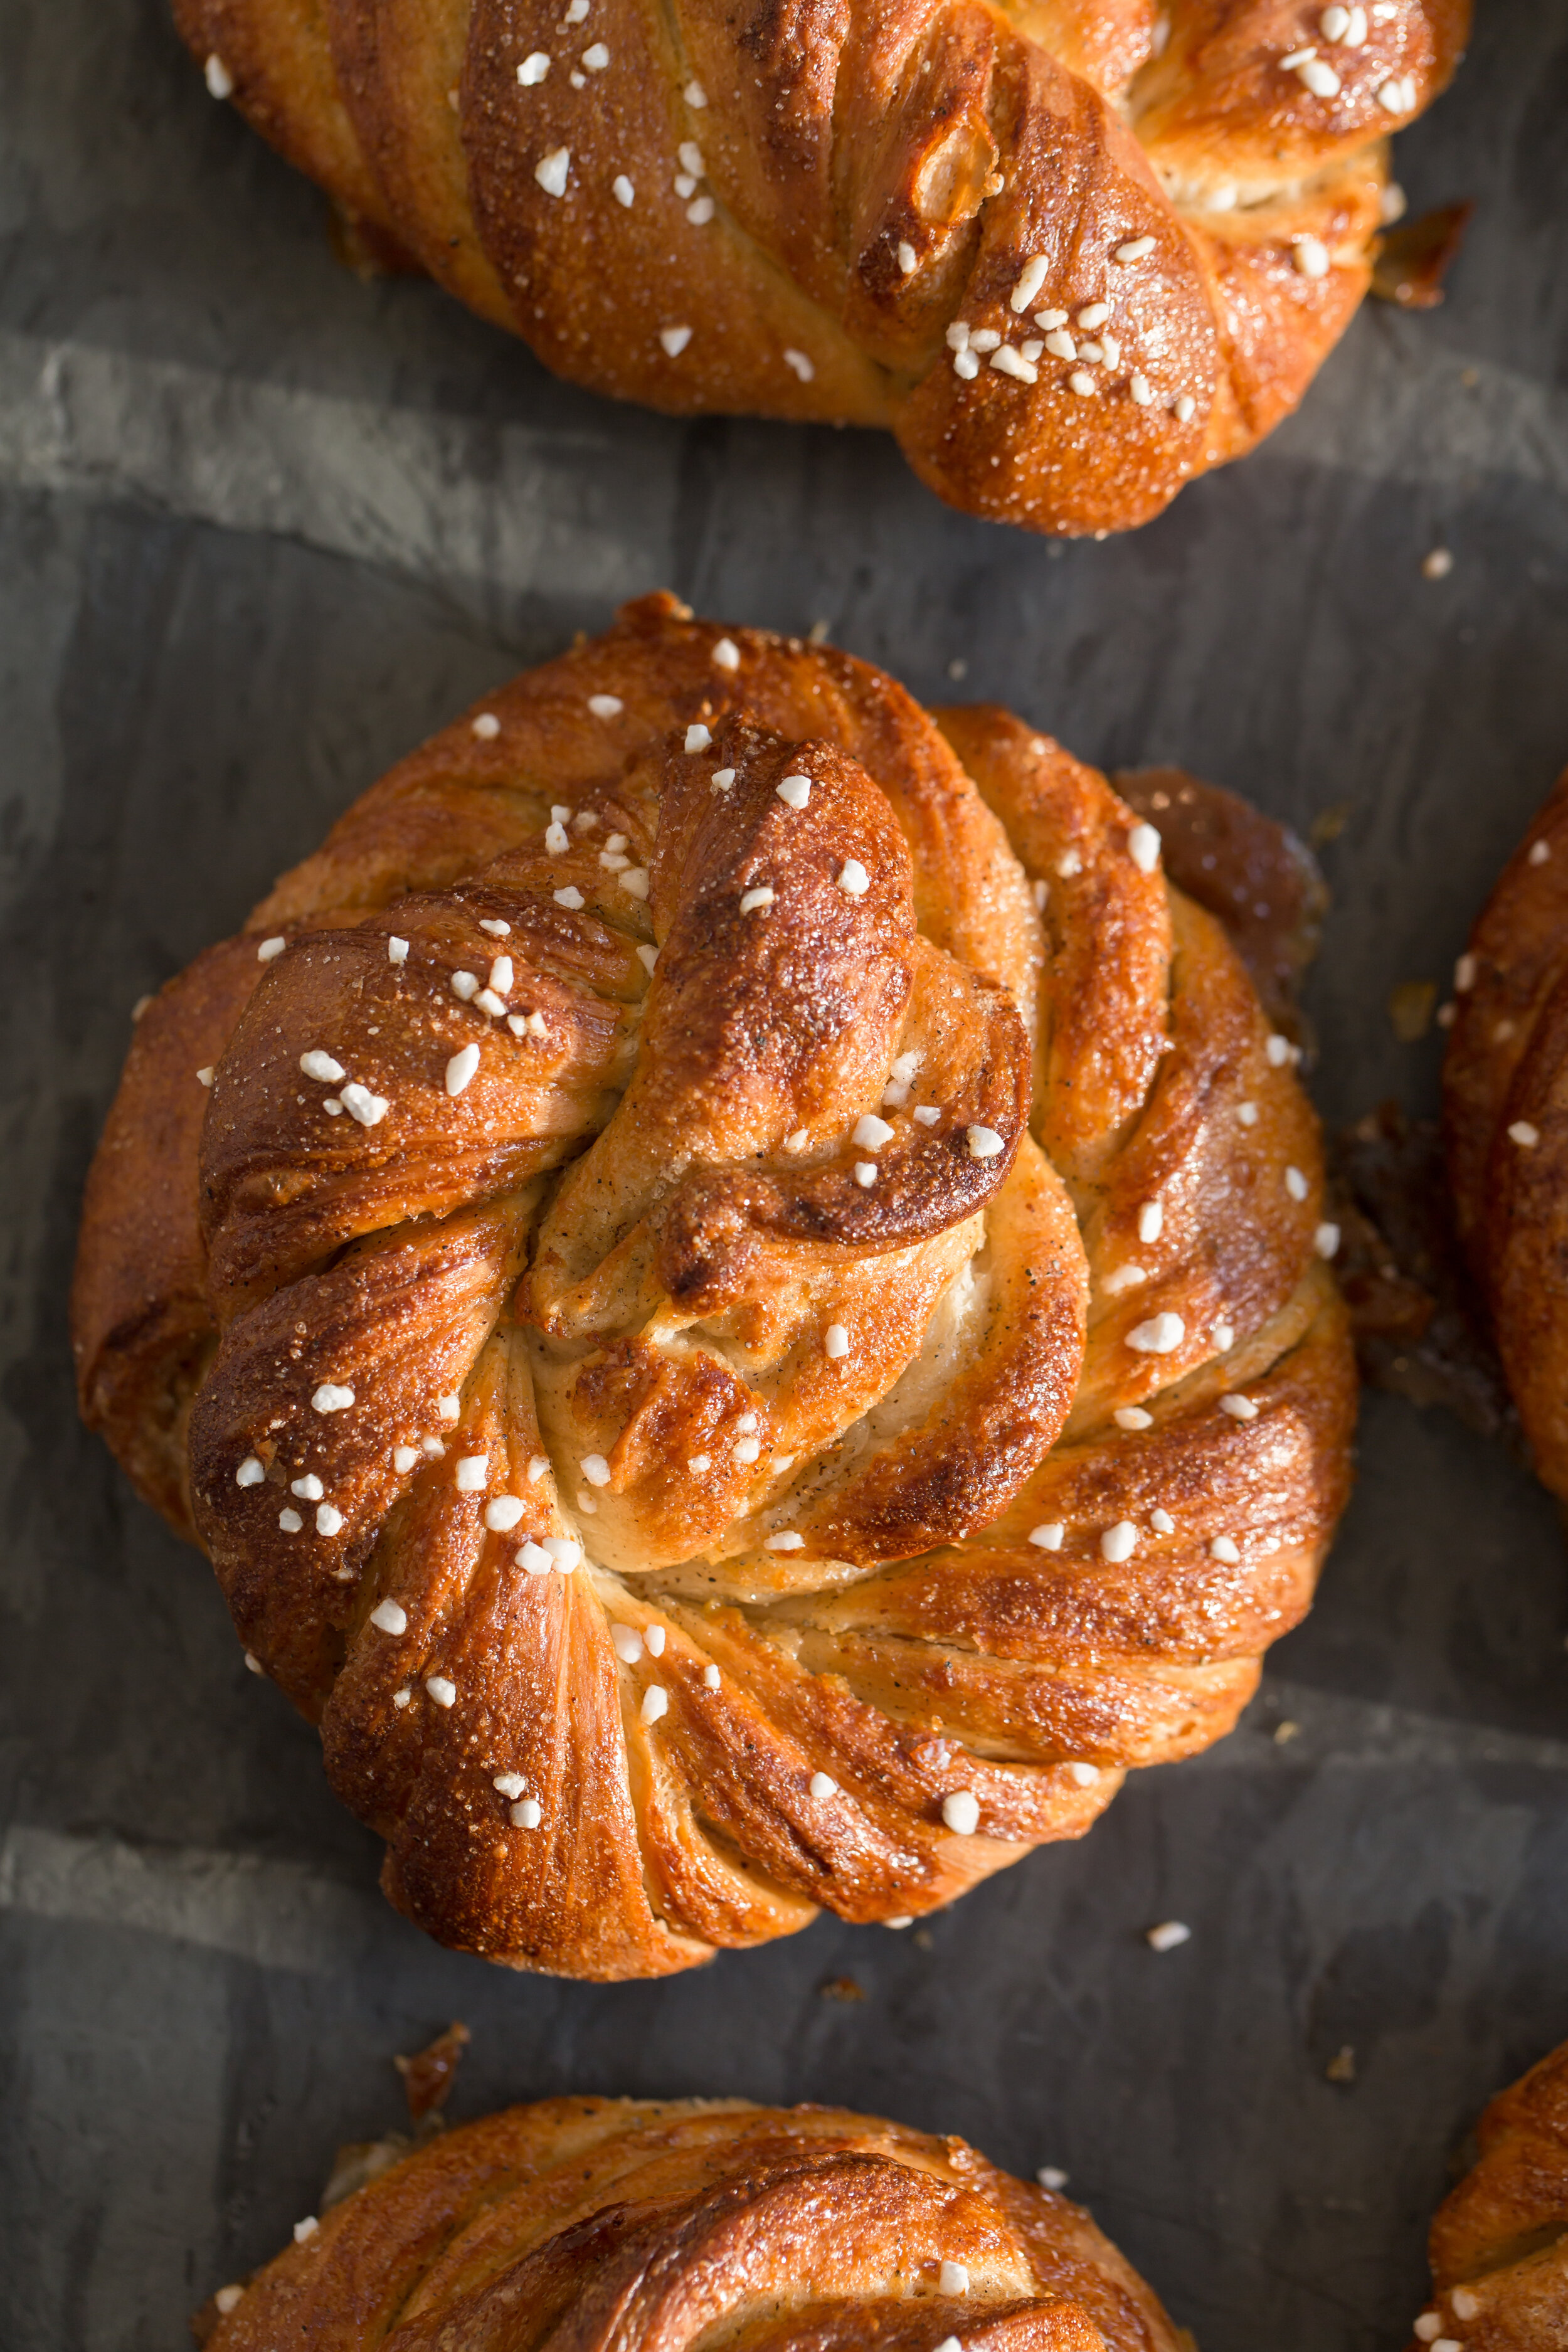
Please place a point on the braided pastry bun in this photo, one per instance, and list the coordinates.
(617, 1159)
(1498, 2246)
(1506, 1128)
(593, 2223)
(1072, 253)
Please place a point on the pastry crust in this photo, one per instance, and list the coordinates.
(1506, 1124)
(593, 2222)
(1499, 2245)
(855, 213)
(789, 1430)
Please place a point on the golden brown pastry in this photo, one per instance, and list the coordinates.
(1498, 2246)
(1072, 252)
(735, 1302)
(1507, 1126)
(590, 2223)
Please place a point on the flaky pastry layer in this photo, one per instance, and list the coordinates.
(651, 2226)
(1505, 1087)
(1072, 252)
(729, 1278)
(1499, 2245)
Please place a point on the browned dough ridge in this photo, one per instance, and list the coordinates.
(1505, 1109)
(889, 216)
(1498, 2246)
(621, 2225)
(728, 1277)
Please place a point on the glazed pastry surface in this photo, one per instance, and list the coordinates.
(729, 1279)
(1507, 1130)
(1500, 2242)
(1071, 254)
(594, 2223)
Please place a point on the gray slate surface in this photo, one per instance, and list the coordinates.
(264, 525)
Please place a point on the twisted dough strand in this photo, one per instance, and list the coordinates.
(1503, 1085)
(844, 1374)
(880, 216)
(576, 2224)
(1499, 2244)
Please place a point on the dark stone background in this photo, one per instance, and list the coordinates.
(262, 527)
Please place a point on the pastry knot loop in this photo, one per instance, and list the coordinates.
(746, 1333)
(1073, 252)
(621, 2225)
